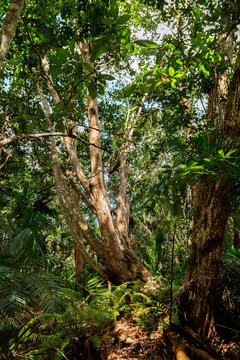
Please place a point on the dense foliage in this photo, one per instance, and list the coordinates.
(119, 121)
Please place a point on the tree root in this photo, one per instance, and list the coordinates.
(184, 344)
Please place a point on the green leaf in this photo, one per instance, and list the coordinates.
(72, 45)
(98, 49)
(107, 77)
(92, 90)
(88, 67)
(114, 10)
(95, 340)
(130, 47)
(125, 33)
(147, 43)
(230, 152)
(62, 54)
(45, 125)
(171, 71)
(30, 128)
(123, 19)
(107, 21)
(221, 152)
(54, 71)
(101, 89)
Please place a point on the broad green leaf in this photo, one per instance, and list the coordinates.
(114, 10)
(98, 49)
(171, 71)
(230, 152)
(55, 71)
(88, 67)
(92, 90)
(62, 54)
(101, 89)
(178, 75)
(30, 128)
(72, 45)
(107, 21)
(45, 125)
(147, 43)
(123, 19)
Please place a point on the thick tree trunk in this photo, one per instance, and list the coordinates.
(199, 295)
(9, 26)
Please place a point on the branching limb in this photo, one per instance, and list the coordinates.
(69, 205)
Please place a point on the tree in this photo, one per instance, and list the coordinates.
(196, 66)
(9, 27)
(83, 47)
(212, 202)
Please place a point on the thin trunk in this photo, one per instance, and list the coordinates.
(9, 26)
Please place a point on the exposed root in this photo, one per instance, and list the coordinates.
(183, 342)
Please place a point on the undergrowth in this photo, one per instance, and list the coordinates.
(85, 319)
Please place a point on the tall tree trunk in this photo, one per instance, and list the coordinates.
(9, 26)
(113, 249)
(199, 295)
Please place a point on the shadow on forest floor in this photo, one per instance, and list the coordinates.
(128, 342)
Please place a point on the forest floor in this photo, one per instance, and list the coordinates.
(127, 341)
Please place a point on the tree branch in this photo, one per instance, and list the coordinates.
(9, 26)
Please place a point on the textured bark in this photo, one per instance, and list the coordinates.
(79, 259)
(113, 248)
(199, 295)
(121, 264)
(9, 26)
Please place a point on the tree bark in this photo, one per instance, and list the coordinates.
(9, 26)
(198, 297)
(113, 248)
(79, 259)
(199, 294)
(121, 262)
